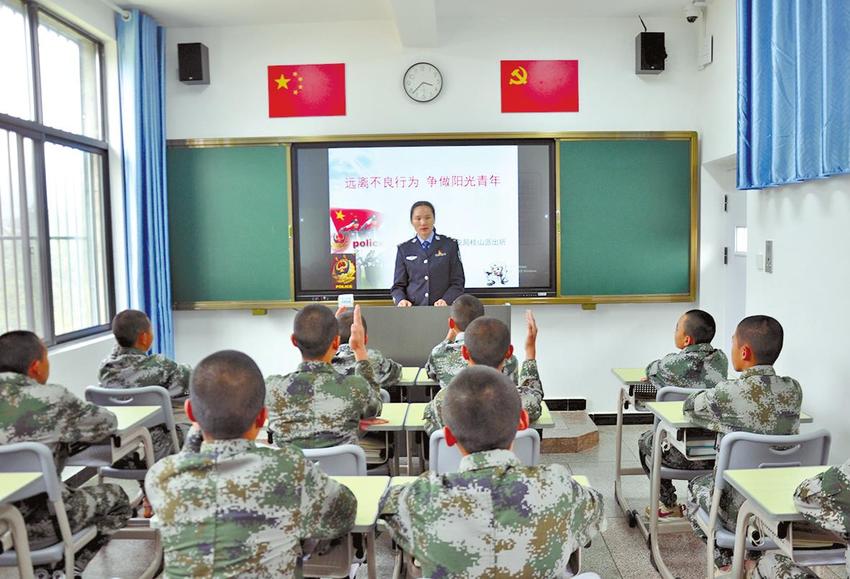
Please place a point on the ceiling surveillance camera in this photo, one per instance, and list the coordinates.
(692, 13)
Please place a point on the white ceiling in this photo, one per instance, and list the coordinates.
(202, 13)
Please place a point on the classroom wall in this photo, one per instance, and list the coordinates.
(577, 348)
(807, 291)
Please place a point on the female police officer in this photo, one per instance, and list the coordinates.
(428, 270)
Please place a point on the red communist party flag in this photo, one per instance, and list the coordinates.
(539, 86)
(306, 90)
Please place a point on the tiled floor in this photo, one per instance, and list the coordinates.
(619, 553)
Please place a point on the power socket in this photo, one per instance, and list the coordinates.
(768, 256)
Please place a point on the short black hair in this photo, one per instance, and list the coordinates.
(128, 325)
(764, 336)
(19, 349)
(700, 326)
(227, 392)
(315, 328)
(466, 308)
(487, 340)
(345, 319)
(482, 408)
(422, 204)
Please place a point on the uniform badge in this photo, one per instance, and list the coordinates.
(412, 257)
(440, 253)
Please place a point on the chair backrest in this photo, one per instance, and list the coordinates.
(445, 458)
(747, 450)
(31, 457)
(342, 460)
(142, 396)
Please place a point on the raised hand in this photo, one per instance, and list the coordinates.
(531, 336)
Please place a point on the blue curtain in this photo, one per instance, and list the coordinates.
(793, 91)
(141, 73)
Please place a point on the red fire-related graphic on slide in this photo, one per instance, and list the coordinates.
(353, 228)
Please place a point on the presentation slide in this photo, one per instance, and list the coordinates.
(351, 209)
(475, 193)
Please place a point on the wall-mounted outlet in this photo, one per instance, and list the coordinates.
(768, 256)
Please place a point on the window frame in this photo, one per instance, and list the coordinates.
(40, 135)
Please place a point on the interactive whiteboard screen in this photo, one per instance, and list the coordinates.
(352, 206)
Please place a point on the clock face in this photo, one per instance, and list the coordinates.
(422, 82)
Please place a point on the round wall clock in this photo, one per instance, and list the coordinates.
(422, 82)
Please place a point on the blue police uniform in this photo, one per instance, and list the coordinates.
(423, 276)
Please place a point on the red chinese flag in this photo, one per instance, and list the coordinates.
(306, 90)
(539, 86)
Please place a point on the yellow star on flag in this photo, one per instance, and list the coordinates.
(340, 215)
(282, 82)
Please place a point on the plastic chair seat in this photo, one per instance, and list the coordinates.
(53, 553)
(681, 474)
(726, 539)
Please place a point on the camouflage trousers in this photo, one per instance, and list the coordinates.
(700, 491)
(105, 506)
(671, 458)
(777, 566)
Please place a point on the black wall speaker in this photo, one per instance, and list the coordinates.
(194, 63)
(649, 53)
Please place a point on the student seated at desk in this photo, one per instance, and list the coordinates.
(316, 406)
(488, 343)
(230, 508)
(823, 500)
(130, 366)
(386, 371)
(697, 364)
(758, 401)
(495, 517)
(31, 410)
(446, 360)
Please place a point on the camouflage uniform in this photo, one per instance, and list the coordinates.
(493, 518)
(759, 401)
(317, 407)
(386, 371)
(824, 500)
(132, 368)
(697, 366)
(234, 509)
(446, 361)
(51, 415)
(530, 391)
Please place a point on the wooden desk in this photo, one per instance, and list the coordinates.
(545, 421)
(395, 413)
(129, 435)
(769, 496)
(12, 482)
(630, 375)
(369, 490)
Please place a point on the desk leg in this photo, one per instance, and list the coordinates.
(395, 461)
(409, 453)
(618, 458)
(370, 554)
(655, 491)
(744, 516)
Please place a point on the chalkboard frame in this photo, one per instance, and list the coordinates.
(588, 301)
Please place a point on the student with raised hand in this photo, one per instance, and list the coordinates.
(824, 500)
(446, 359)
(697, 364)
(31, 410)
(231, 508)
(386, 371)
(494, 517)
(316, 406)
(758, 401)
(488, 343)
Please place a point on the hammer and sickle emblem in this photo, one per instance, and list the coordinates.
(518, 76)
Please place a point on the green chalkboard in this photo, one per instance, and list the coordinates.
(626, 219)
(229, 223)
